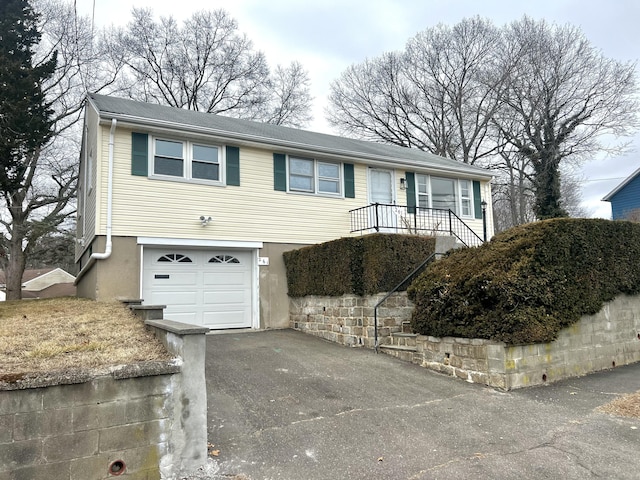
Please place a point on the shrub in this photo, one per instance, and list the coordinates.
(529, 282)
(355, 265)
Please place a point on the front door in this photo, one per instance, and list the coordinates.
(381, 191)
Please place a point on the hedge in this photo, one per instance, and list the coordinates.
(528, 282)
(355, 265)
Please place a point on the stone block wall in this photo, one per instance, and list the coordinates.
(607, 339)
(143, 421)
(349, 319)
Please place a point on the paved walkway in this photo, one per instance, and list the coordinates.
(285, 405)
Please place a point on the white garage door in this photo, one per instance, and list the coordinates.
(208, 288)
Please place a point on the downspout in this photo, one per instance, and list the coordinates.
(109, 245)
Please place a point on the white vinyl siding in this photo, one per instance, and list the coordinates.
(252, 211)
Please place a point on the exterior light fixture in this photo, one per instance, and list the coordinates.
(205, 220)
(483, 204)
(403, 183)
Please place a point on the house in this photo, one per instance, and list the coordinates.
(194, 210)
(625, 198)
(43, 283)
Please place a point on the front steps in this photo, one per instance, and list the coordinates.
(400, 345)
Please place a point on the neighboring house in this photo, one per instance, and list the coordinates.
(625, 198)
(43, 283)
(194, 210)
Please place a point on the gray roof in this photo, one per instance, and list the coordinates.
(274, 135)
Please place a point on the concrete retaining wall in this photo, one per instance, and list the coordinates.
(149, 419)
(607, 339)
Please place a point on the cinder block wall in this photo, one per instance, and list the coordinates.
(76, 431)
(151, 419)
(349, 319)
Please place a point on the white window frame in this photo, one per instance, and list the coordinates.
(459, 200)
(316, 177)
(187, 161)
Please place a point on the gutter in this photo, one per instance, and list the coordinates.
(131, 120)
(109, 245)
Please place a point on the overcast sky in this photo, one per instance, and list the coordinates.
(328, 36)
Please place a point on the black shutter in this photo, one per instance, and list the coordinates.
(411, 192)
(233, 166)
(280, 172)
(477, 199)
(139, 154)
(349, 181)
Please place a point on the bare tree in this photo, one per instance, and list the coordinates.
(563, 95)
(524, 99)
(289, 99)
(205, 65)
(45, 195)
(438, 95)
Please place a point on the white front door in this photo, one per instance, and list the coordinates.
(381, 191)
(201, 287)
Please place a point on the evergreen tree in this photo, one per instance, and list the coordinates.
(25, 127)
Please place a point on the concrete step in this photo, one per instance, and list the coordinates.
(401, 352)
(148, 312)
(403, 339)
(399, 348)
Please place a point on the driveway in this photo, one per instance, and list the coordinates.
(289, 406)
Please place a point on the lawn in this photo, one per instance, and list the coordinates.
(66, 334)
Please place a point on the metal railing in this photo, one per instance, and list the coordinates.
(378, 217)
(394, 290)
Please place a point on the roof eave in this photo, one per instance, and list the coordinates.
(262, 141)
(625, 182)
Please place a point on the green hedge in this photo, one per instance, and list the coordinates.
(355, 265)
(528, 282)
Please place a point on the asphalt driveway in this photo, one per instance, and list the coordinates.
(285, 405)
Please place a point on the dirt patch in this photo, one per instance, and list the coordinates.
(624, 406)
(62, 334)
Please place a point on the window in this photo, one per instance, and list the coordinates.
(465, 197)
(329, 178)
(423, 191)
(301, 175)
(174, 258)
(444, 194)
(224, 259)
(311, 176)
(205, 163)
(188, 160)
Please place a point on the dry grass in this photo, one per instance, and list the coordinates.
(62, 334)
(624, 406)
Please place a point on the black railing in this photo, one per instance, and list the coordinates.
(379, 217)
(391, 292)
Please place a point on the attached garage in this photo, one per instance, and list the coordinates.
(211, 288)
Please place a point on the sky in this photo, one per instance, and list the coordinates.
(327, 37)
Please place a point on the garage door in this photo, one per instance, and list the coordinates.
(208, 288)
